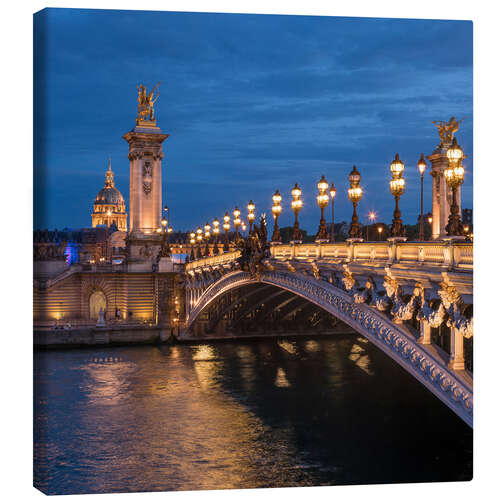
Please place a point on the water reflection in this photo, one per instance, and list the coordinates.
(238, 415)
(360, 358)
(281, 380)
(289, 347)
(312, 346)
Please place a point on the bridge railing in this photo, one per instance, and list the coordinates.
(458, 255)
(214, 261)
(443, 253)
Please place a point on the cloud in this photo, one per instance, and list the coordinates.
(251, 102)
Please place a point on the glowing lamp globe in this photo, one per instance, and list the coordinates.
(421, 164)
(397, 166)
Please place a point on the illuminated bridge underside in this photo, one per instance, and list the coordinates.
(392, 338)
(263, 309)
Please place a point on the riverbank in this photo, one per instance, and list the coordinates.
(138, 335)
(95, 336)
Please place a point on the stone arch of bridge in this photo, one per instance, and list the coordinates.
(392, 338)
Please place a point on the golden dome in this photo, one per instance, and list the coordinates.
(109, 205)
(109, 195)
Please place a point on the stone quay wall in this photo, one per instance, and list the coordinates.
(143, 299)
(117, 335)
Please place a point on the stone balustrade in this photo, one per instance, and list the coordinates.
(216, 260)
(447, 254)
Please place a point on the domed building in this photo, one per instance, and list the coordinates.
(109, 205)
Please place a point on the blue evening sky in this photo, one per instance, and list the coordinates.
(252, 103)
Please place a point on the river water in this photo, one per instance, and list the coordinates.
(240, 414)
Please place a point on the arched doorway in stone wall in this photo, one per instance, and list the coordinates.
(97, 301)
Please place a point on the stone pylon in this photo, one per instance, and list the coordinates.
(145, 156)
(441, 192)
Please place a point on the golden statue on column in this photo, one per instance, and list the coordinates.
(145, 105)
(447, 130)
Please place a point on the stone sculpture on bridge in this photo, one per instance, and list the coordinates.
(254, 250)
(447, 129)
(145, 103)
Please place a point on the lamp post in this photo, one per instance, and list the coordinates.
(165, 247)
(296, 207)
(333, 192)
(199, 238)
(276, 210)
(192, 239)
(429, 221)
(379, 230)
(454, 175)
(169, 230)
(216, 224)
(251, 215)
(371, 217)
(226, 226)
(236, 222)
(207, 238)
(354, 193)
(322, 200)
(397, 188)
(421, 168)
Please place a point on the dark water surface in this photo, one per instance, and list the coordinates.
(246, 414)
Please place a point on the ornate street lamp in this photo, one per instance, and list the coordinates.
(226, 226)
(421, 168)
(236, 222)
(216, 223)
(207, 238)
(251, 215)
(322, 200)
(165, 250)
(454, 175)
(333, 192)
(397, 188)
(371, 217)
(354, 193)
(276, 210)
(192, 239)
(296, 207)
(199, 238)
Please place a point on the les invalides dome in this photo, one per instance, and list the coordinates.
(109, 205)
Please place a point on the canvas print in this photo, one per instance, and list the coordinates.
(253, 251)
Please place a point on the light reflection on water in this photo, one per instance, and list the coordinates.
(238, 415)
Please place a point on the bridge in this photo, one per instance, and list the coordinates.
(413, 300)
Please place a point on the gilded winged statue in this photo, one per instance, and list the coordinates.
(447, 129)
(146, 101)
(254, 249)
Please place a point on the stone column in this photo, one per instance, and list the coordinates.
(457, 361)
(440, 197)
(425, 333)
(145, 155)
(435, 205)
